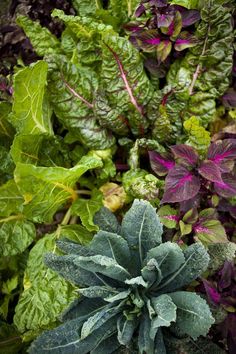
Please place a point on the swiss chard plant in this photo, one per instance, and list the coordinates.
(131, 288)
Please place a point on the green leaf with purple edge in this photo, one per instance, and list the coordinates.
(168, 216)
(210, 231)
(180, 184)
(185, 40)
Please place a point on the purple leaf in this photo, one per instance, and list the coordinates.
(180, 185)
(185, 153)
(222, 151)
(161, 163)
(229, 98)
(212, 293)
(210, 171)
(163, 50)
(185, 40)
(140, 10)
(189, 17)
(226, 188)
(227, 275)
(164, 20)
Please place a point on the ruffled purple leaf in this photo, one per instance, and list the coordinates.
(186, 153)
(210, 171)
(189, 17)
(226, 188)
(133, 27)
(185, 40)
(180, 184)
(163, 50)
(229, 98)
(212, 293)
(222, 151)
(164, 20)
(161, 164)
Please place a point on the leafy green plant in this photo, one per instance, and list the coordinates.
(131, 287)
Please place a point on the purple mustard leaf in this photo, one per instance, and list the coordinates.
(163, 50)
(226, 188)
(180, 184)
(164, 20)
(210, 171)
(133, 27)
(189, 17)
(222, 150)
(231, 338)
(229, 98)
(161, 163)
(185, 40)
(185, 153)
(212, 293)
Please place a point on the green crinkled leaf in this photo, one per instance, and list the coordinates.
(41, 303)
(7, 166)
(46, 189)
(191, 308)
(125, 83)
(126, 328)
(142, 230)
(16, 234)
(189, 4)
(71, 90)
(43, 41)
(198, 137)
(29, 85)
(106, 221)
(196, 262)
(145, 343)
(86, 209)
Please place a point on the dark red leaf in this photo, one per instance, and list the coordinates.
(210, 171)
(229, 98)
(161, 163)
(185, 153)
(227, 275)
(226, 188)
(180, 185)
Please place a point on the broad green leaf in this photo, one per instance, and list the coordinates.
(25, 148)
(11, 201)
(98, 291)
(46, 189)
(123, 9)
(16, 234)
(198, 137)
(29, 85)
(71, 89)
(7, 166)
(41, 303)
(142, 230)
(86, 209)
(106, 220)
(86, 7)
(103, 265)
(196, 262)
(107, 346)
(193, 314)
(113, 246)
(42, 40)
(6, 129)
(165, 313)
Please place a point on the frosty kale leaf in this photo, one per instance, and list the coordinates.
(131, 288)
